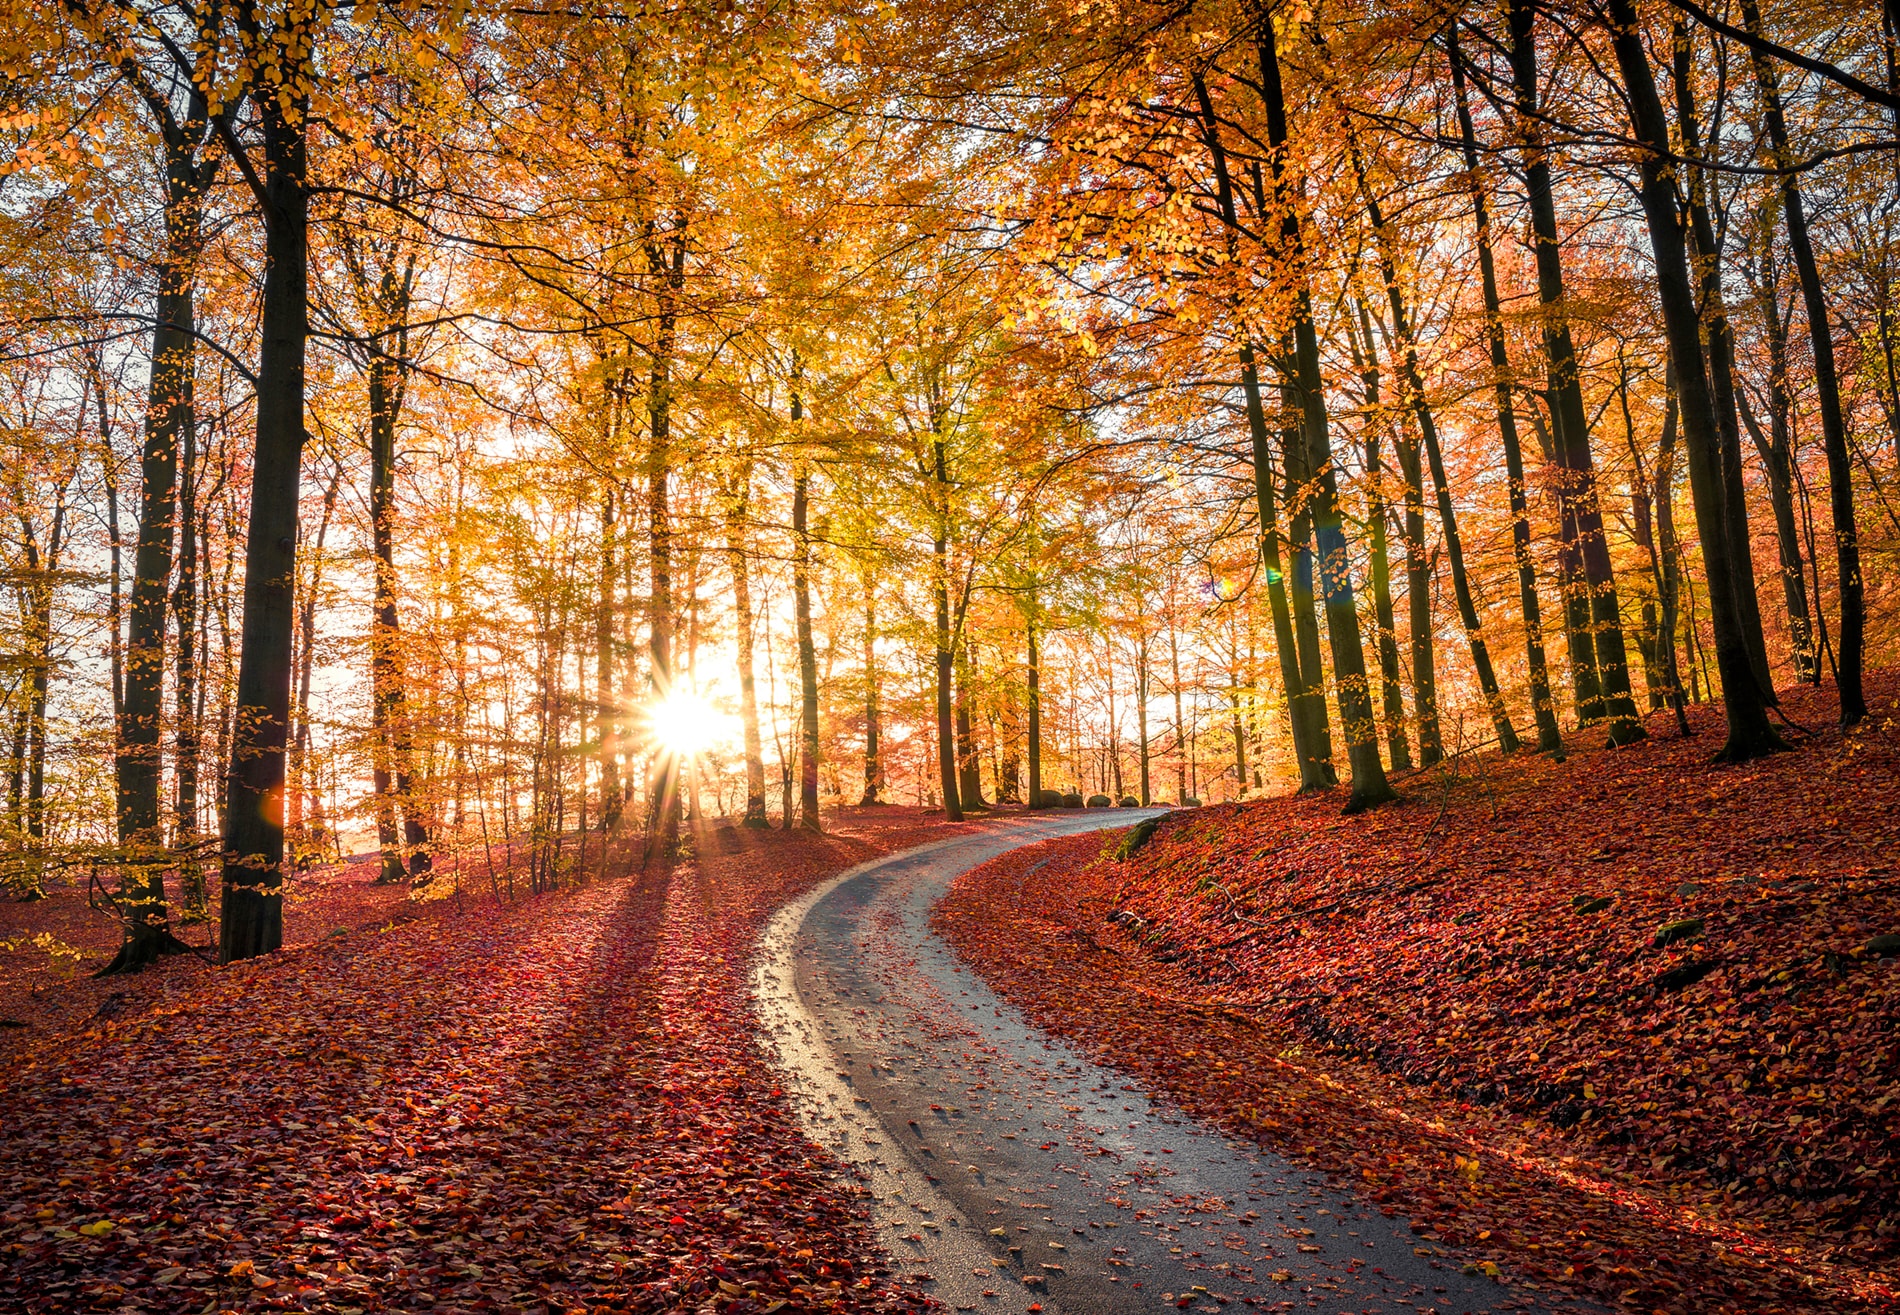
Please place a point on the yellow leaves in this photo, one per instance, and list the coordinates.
(97, 1228)
(1466, 1168)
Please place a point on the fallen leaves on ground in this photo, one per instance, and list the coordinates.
(1622, 1025)
(557, 1104)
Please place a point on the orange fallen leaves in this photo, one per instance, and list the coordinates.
(1415, 999)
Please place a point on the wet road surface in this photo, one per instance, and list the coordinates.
(1017, 1174)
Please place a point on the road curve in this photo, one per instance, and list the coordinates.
(1018, 1175)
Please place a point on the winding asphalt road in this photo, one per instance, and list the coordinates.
(1009, 1173)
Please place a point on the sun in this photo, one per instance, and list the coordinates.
(683, 723)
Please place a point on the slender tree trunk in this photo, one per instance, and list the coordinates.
(606, 714)
(169, 416)
(1600, 667)
(1750, 735)
(663, 807)
(1141, 707)
(1304, 597)
(737, 498)
(873, 765)
(1034, 679)
(1851, 641)
(807, 654)
(304, 660)
(405, 851)
(1294, 631)
(1418, 600)
(1369, 786)
(969, 760)
(946, 657)
(185, 685)
(115, 598)
(1667, 564)
(1543, 706)
(1776, 450)
(1421, 410)
(251, 915)
(1391, 686)
(1706, 263)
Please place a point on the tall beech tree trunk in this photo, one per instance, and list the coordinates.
(184, 603)
(606, 606)
(1543, 706)
(1447, 516)
(1299, 492)
(946, 656)
(807, 653)
(1033, 678)
(1418, 580)
(1599, 662)
(1706, 263)
(1391, 687)
(1305, 697)
(969, 760)
(737, 498)
(1776, 450)
(251, 917)
(873, 765)
(1749, 732)
(1369, 786)
(169, 418)
(115, 540)
(30, 731)
(1142, 691)
(1665, 556)
(405, 853)
(1851, 641)
(667, 262)
(303, 663)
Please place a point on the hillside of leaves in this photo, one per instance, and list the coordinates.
(1624, 1024)
(551, 1104)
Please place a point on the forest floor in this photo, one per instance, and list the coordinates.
(1618, 1026)
(554, 1103)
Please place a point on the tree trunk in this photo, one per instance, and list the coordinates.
(737, 498)
(1391, 686)
(391, 776)
(1369, 786)
(251, 918)
(606, 714)
(1851, 641)
(1776, 450)
(663, 804)
(1296, 637)
(940, 545)
(1706, 262)
(1418, 601)
(169, 417)
(807, 654)
(1543, 706)
(185, 685)
(1421, 410)
(1600, 667)
(1141, 707)
(873, 765)
(1750, 735)
(1034, 678)
(969, 760)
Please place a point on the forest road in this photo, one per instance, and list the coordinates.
(1017, 1174)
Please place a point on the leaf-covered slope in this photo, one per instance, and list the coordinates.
(1632, 966)
(552, 1105)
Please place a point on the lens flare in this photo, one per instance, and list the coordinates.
(682, 723)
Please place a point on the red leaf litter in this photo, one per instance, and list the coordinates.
(1620, 1026)
(556, 1104)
